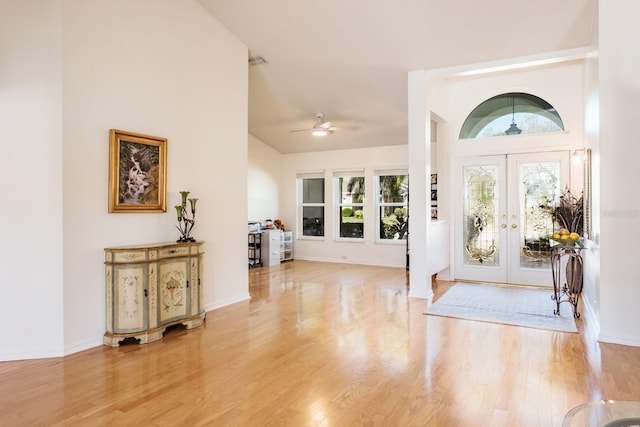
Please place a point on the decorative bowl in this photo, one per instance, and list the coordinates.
(567, 242)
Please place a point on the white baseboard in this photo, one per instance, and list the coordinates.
(10, 357)
(351, 261)
(81, 346)
(226, 302)
(632, 342)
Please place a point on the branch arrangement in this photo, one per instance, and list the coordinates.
(186, 218)
(569, 212)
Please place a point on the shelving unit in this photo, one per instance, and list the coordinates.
(255, 243)
(286, 246)
(434, 196)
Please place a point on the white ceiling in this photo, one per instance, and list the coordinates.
(349, 58)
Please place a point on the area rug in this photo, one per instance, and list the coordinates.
(509, 305)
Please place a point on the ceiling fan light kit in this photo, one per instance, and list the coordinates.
(319, 128)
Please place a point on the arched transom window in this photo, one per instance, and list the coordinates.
(511, 114)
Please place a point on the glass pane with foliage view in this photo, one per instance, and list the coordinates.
(350, 206)
(392, 200)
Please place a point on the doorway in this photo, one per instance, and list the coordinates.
(504, 216)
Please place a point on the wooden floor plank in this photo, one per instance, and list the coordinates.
(323, 344)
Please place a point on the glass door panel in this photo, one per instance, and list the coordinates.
(480, 215)
(535, 182)
(539, 187)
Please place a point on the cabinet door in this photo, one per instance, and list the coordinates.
(173, 289)
(130, 298)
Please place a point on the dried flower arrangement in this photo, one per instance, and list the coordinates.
(569, 212)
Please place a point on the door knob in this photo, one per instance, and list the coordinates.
(514, 226)
(504, 225)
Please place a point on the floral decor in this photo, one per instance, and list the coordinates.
(186, 217)
(569, 212)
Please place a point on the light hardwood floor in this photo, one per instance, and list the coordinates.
(325, 345)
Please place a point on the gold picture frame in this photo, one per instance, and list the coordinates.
(137, 172)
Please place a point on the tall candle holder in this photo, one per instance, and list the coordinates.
(186, 217)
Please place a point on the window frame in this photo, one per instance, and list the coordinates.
(379, 204)
(339, 204)
(300, 178)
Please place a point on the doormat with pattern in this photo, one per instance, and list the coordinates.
(529, 307)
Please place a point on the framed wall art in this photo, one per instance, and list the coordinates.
(137, 172)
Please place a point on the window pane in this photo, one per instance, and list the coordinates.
(394, 188)
(313, 221)
(313, 190)
(351, 189)
(509, 114)
(351, 222)
(529, 123)
(393, 222)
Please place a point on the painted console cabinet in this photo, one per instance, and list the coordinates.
(152, 287)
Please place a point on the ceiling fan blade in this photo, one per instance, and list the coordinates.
(301, 130)
(332, 128)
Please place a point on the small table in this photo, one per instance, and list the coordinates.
(567, 266)
(604, 413)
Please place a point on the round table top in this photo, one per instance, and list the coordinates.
(604, 413)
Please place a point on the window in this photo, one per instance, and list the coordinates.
(350, 204)
(311, 204)
(392, 205)
(509, 114)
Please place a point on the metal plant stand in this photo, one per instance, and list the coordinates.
(567, 269)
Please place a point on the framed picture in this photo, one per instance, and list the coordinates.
(434, 213)
(434, 195)
(137, 172)
(434, 178)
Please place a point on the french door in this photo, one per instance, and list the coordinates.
(503, 217)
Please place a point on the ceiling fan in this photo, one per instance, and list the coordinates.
(321, 127)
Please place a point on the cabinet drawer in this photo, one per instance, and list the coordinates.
(173, 251)
(128, 256)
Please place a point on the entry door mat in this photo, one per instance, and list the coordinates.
(508, 305)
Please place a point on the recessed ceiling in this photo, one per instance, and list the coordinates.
(350, 59)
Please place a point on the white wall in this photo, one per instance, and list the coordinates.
(454, 97)
(161, 68)
(329, 250)
(562, 85)
(419, 158)
(156, 67)
(265, 165)
(31, 172)
(619, 83)
(591, 288)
